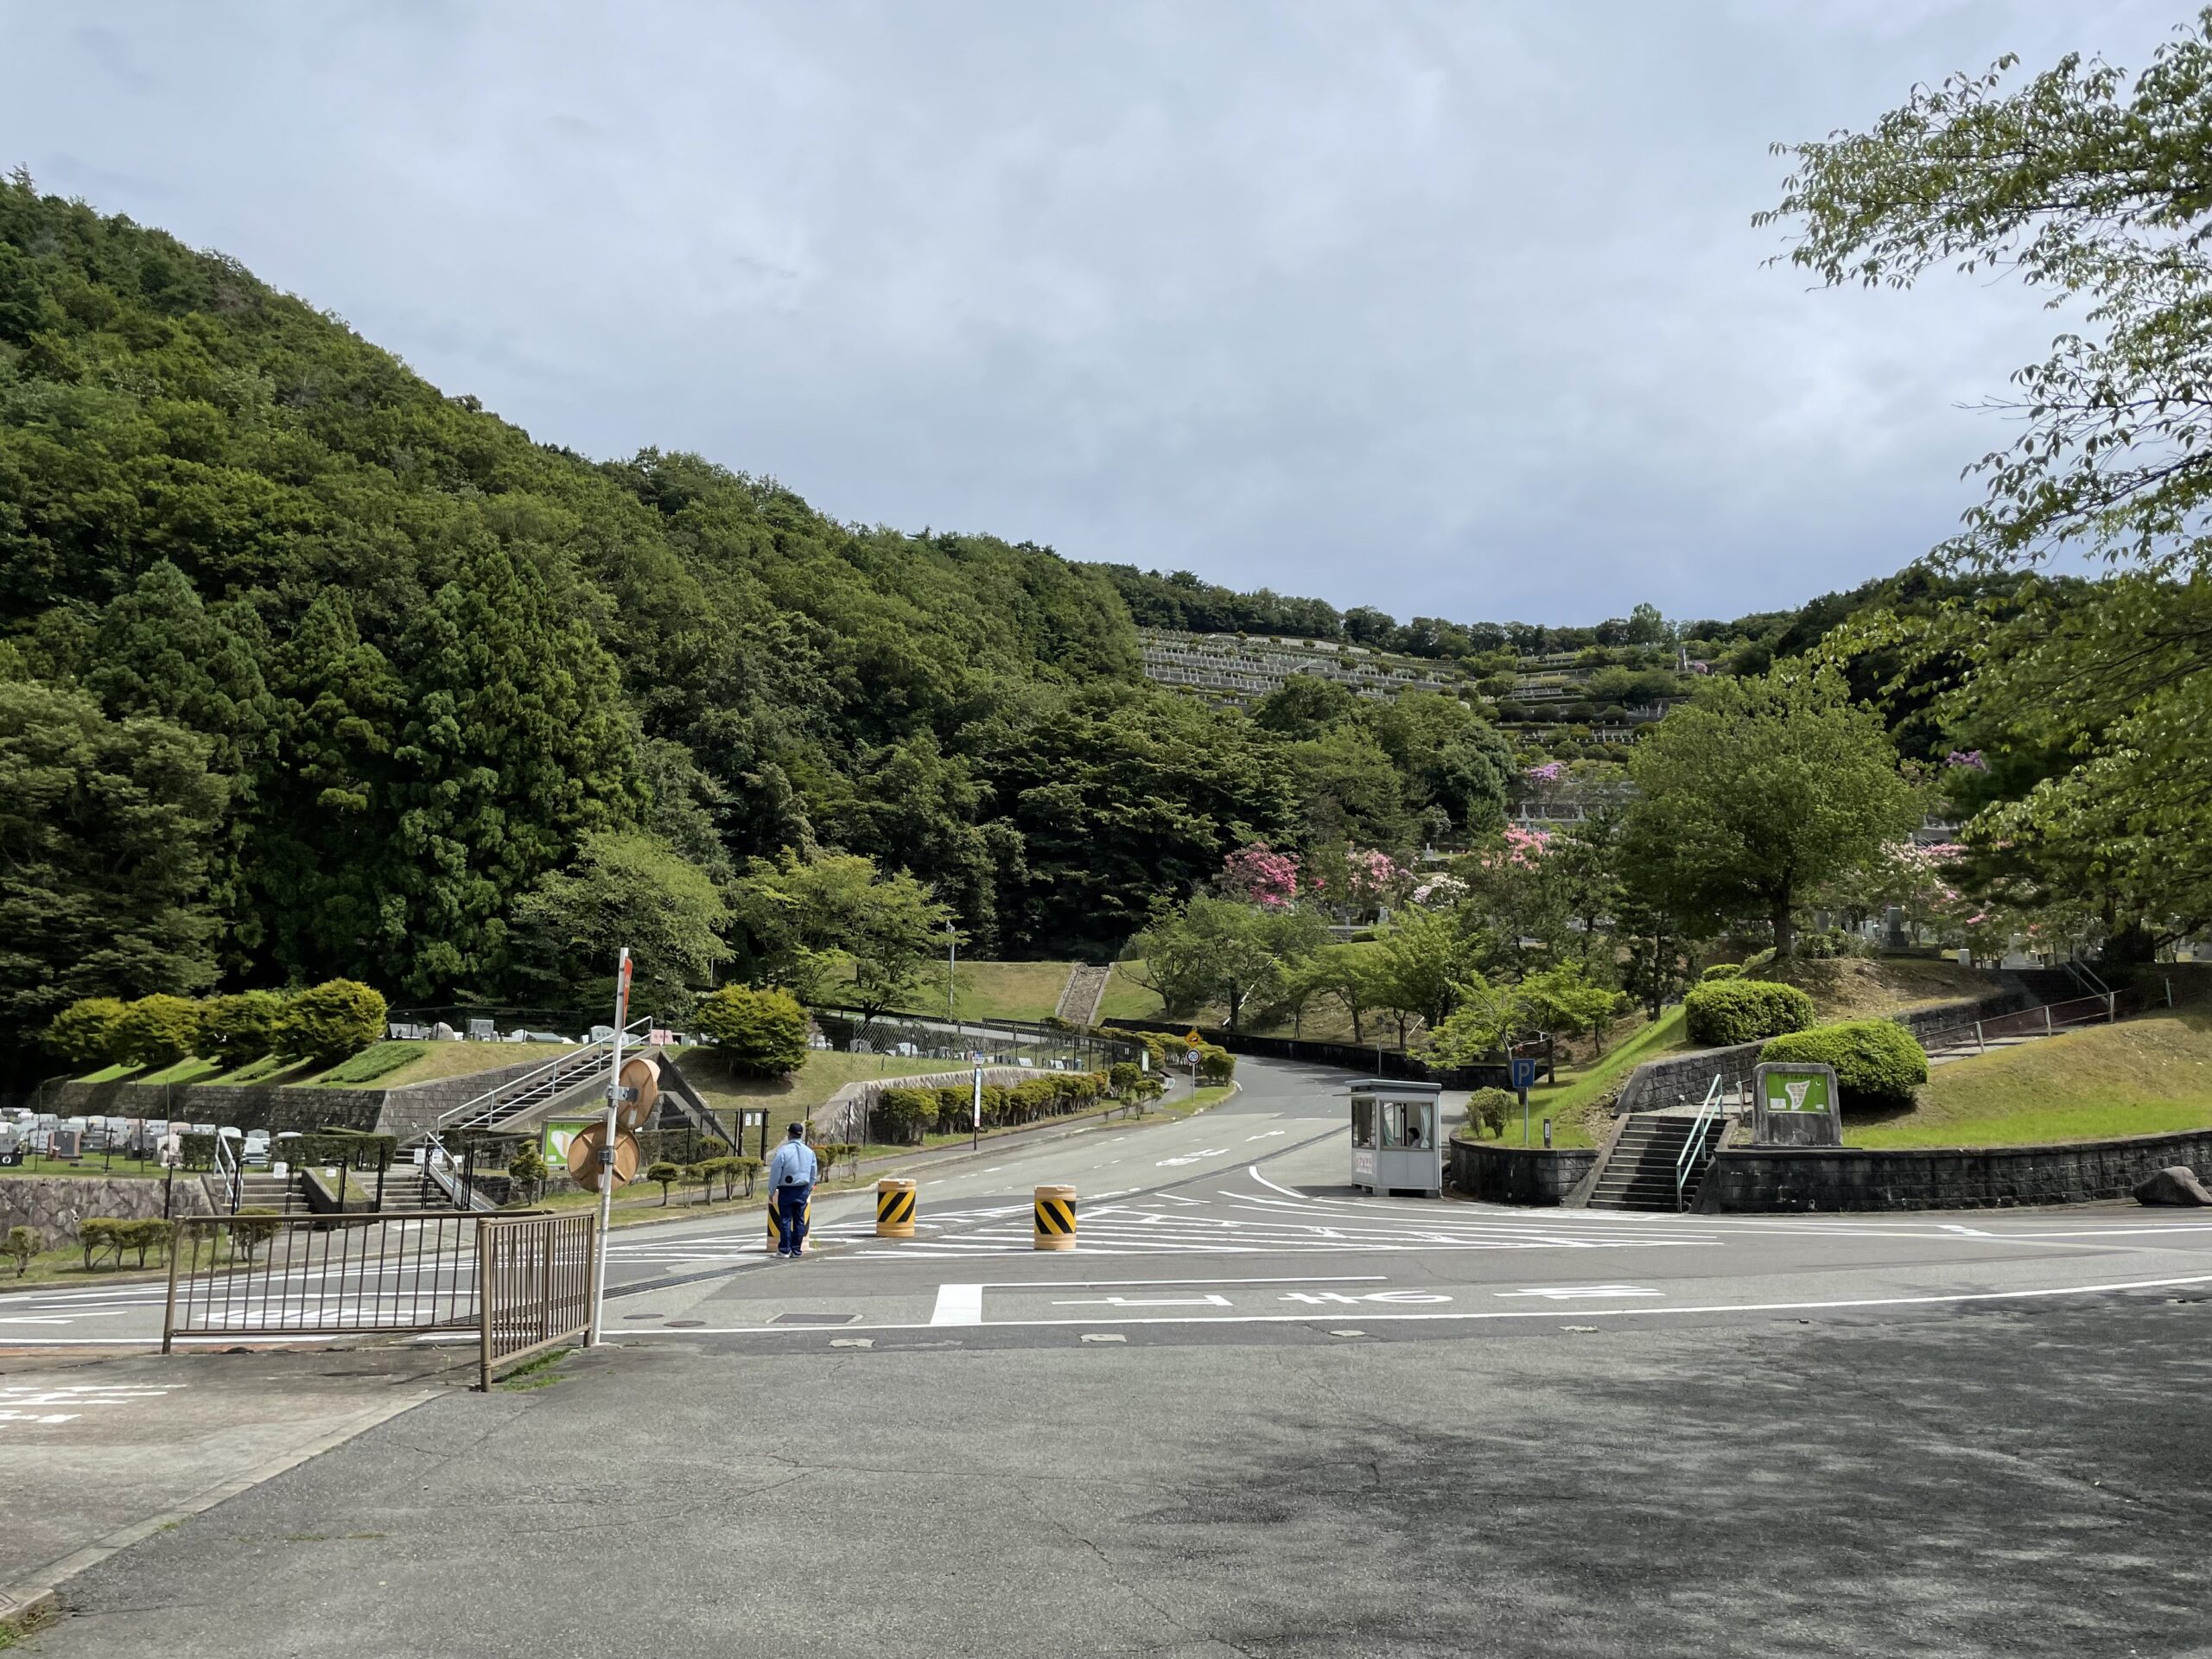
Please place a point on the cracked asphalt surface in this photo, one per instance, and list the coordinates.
(2017, 1480)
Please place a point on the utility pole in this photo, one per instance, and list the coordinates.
(607, 1148)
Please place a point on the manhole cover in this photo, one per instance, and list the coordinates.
(814, 1319)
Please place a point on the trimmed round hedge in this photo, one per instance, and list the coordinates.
(1877, 1062)
(1723, 1012)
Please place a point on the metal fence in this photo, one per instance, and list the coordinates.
(522, 1282)
(2039, 1021)
(319, 1275)
(534, 1285)
(1000, 1042)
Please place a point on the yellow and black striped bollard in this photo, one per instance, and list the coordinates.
(1055, 1219)
(894, 1208)
(806, 1219)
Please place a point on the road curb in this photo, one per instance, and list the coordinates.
(34, 1599)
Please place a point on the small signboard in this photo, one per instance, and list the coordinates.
(1524, 1072)
(1795, 1105)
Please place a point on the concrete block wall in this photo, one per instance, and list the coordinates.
(1530, 1175)
(1770, 1178)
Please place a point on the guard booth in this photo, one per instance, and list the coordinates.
(1396, 1141)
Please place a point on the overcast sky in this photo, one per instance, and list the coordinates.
(1453, 309)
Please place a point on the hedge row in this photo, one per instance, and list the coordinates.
(97, 1234)
(324, 1023)
(905, 1115)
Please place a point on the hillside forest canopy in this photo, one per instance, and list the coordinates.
(310, 671)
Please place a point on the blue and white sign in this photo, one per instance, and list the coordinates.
(1524, 1073)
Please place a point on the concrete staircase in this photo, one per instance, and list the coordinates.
(258, 1190)
(1084, 991)
(1639, 1170)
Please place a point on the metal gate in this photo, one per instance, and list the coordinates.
(524, 1282)
(533, 1285)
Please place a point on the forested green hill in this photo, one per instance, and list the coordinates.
(308, 669)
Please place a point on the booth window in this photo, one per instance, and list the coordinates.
(1362, 1120)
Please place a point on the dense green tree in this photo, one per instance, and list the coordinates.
(105, 828)
(762, 1032)
(1449, 757)
(623, 888)
(1304, 707)
(803, 916)
(1348, 789)
(1218, 951)
(2087, 185)
(1756, 791)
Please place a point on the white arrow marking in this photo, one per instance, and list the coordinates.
(1191, 1158)
(1268, 1136)
(1140, 1301)
(1569, 1293)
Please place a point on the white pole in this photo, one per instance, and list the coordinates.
(606, 1149)
(951, 971)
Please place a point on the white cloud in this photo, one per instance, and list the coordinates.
(1453, 310)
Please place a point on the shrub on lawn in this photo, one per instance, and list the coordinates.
(19, 1245)
(667, 1174)
(153, 1234)
(1878, 1062)
(97, 1234)
(902, 1115)
(526, 1169)
(763, 1032)
(327, 1022)
(251, 1227)
(88, 1032)
(1122, 1076)
(1216, 1065)
(1488, 1109)
(1722, 971)
(1727, 1012)
(158, 1030)
(238, 1028)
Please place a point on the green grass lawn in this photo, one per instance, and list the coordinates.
(1127, 1000)
(2151, 1076)
(983, 990)
(826, 1071)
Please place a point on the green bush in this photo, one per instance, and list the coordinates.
(1727, 1012)
(19, 1245)
(761, 1031)
(330, 1021)
(1878, 1062)
(158, 1030)
(251, 1227)
(88, 1032)
(1216, 1065)
(955, 1108)
(1720, 970)
(241, 1027)
(527, 1170)
(1489, 1110)
(667, 1174)
(153, 1234)
(354, 1148)
(1122, 1076)
(903, 1115)
(97, 1234)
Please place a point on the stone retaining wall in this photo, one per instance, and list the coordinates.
(275, 1108)
(1531, 1175)
(41, 1201)
(1769, 1179)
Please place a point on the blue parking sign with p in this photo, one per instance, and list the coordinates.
(1524, 1073)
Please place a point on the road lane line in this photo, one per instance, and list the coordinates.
(958, 1305)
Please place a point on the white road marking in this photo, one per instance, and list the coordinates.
(1573, 1292)
(1502, 1315)
(1143, 1301)
(1192, 1158)
(1103, 1336)
(958, 1305)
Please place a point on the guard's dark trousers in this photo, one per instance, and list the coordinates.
(790, 1217)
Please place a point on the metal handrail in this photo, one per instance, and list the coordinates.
(1694, 1143)
(530, 1079)
(226, 1167)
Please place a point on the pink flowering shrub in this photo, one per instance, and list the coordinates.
(1259, 875)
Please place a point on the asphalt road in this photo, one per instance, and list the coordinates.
(1256, 1414)
(1216, 1227)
